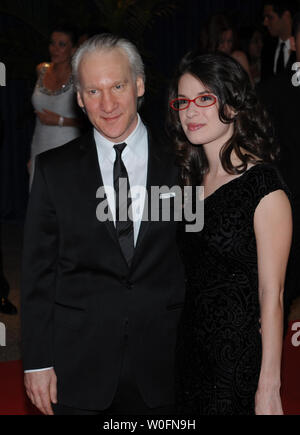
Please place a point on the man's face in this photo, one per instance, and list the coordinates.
(272, 21)
(109, 93)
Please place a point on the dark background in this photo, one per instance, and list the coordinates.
(163, 30)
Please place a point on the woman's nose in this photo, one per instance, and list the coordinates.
(192, 109)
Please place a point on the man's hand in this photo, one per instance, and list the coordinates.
(41, 388)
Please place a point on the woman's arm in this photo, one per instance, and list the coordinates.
(51, 118)
(273, 231)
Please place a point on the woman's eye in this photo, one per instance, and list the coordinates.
(206, 98)
(182, 102)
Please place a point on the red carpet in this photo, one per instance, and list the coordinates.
(290, 390)
(13, 400)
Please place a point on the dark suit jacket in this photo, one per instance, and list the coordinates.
(268, 56)
(79, 297)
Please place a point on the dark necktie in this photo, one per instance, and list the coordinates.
(124, 224)
(280, 61)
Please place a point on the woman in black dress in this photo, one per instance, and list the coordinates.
(230, 338)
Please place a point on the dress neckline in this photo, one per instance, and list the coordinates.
(234, 180)
(64, 88)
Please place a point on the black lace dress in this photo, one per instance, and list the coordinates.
(219, 343)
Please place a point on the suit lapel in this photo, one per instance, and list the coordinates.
(92, 179)
(156, 171)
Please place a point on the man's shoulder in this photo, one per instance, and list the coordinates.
(69, 151)
(164, 147)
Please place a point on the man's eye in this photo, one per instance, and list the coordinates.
(119, 86)
(92, 91)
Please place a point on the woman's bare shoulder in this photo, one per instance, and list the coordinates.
(42, 65)
(239, 55)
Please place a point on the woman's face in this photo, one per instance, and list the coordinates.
(226, 42)
(61, 48)
(201, 125)
(256, 45)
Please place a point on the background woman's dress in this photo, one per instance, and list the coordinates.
(219, 345)
(63, 102)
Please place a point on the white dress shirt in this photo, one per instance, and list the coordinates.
(286, 53)
(135, 158)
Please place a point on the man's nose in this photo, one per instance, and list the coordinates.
(108, 102)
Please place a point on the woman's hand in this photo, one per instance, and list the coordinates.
(47, 117)
(268, 402)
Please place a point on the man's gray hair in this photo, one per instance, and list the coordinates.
(106, 42)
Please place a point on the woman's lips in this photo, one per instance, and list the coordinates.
(195, 127)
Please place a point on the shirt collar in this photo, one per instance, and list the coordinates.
(134, 139)
(287, 43)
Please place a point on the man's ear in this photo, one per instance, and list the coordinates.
(287, 15)
(140, 85)
(79, 100)
(293, 43)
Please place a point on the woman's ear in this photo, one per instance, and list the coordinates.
(230, 112)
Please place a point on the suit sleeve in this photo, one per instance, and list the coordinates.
(39, 268)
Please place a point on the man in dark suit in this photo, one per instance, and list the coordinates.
(281, 97)
(277, 54)
(101, 295)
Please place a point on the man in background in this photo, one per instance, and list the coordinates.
(278, 55)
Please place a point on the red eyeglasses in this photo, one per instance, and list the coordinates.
(206, 100)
